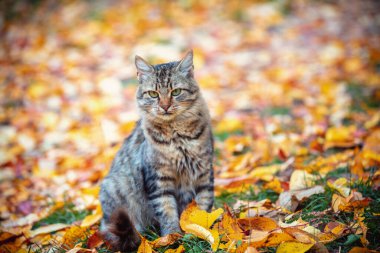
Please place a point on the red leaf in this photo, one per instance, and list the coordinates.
(95, 240)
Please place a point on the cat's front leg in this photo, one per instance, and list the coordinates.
(204, 190)
(161, 197)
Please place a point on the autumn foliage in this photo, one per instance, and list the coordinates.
(293, 89)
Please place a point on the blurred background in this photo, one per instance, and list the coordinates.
(281, 78)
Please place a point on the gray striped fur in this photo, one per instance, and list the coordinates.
(167, 160)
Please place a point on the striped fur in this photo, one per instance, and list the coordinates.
(167, 160)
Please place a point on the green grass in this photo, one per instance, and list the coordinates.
(277, 110)
(231, 198)
(66, 215)
(222, 136)
(371, 220)
(190, 242)
(361, 97)
(313, 210)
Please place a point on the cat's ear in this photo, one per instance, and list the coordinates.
(186, 66)
(143, 68)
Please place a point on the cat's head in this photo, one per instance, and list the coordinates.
(166, 90)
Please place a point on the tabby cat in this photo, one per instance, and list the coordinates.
(167, 160)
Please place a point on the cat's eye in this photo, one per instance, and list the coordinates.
(153, 94)
(176, 92)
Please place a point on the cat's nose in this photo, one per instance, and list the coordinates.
(165, 106)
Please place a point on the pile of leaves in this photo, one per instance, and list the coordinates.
(293, 89)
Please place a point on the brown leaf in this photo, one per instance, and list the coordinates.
(95, 240)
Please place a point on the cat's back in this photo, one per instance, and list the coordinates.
(129, 155)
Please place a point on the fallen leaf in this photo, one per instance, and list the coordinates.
(294, 247)
(95, 240)
(211, 236)
(144, 246)
(194, 215)
(291, 199)
(257, 223)
(92, 218)
(230, 227)
(165, 240)
(341, 186)
(47, 229)
(301, 179)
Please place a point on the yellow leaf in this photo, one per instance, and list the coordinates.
(369, 154)
(274, 185)
(144, 246)
(335, 227)
(211, 236)
(337, 201)
(93, 191)
(277, 238)
(180, 249)
(371, 146)
(301, 179)
(72, 235)
(326, 237)
(340, 136)
(230, 227)
(194, 215)
(340, 185)
(47, 229)
(229, 125)
(237, 143)
(265, 172)
(294, 247)
(22, 251)
(375, 119)
(92, 218)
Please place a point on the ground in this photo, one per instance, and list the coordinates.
(293, 89)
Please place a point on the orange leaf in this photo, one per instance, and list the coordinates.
(277, 238)
(144, 246)
(300, 235)
(257, 223)
(290, 247)
(165, 240)
(231, 227)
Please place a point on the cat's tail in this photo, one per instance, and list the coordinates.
(121, 233)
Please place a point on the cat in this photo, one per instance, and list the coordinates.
(166, 162)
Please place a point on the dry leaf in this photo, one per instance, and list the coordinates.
(341, 186)
(46, 229)
(92, 218)
(180, 249)
(293, 247)
(211, 236)
(194, 215)
(165, 240)
(301, 179)
(144, 246)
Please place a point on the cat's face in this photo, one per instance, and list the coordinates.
(166, 90)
